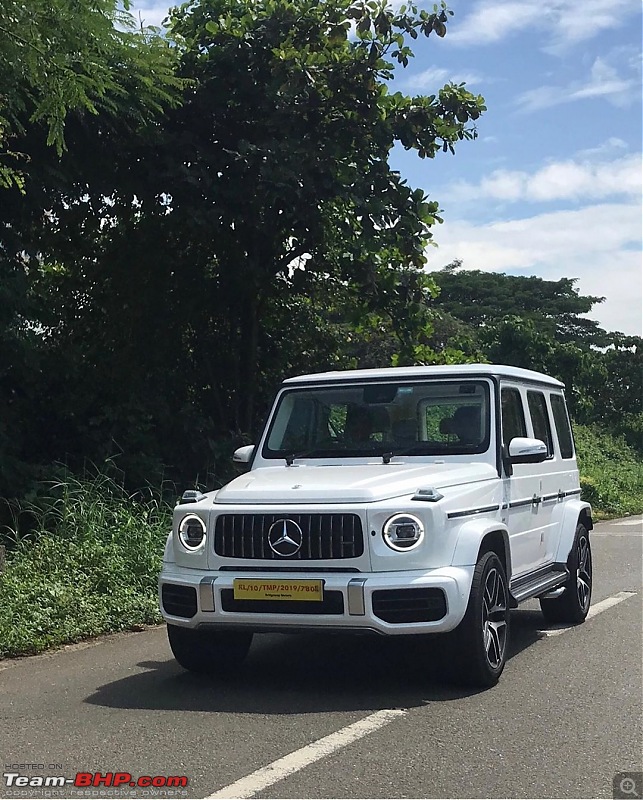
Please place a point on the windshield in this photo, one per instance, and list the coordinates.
(421, 418)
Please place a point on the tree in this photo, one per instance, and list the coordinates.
(555, 307)
(283, 149)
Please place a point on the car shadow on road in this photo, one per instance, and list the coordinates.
(311, 673)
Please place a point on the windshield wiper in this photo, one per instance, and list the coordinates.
(405, 451)
(304, 454)
(366, 449)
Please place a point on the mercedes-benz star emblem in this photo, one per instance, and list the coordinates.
(285, 537)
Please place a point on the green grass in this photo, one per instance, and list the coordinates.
(89, 566)
(611, 472)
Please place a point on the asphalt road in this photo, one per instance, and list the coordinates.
(564, 719)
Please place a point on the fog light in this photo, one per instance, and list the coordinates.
(192, 532)
(403, 532)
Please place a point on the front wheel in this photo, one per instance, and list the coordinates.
(573, 604)
(482, 638)
(207, 651)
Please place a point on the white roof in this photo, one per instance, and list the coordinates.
(446, 371)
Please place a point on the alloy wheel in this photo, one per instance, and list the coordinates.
(494, 617)
(583, 571)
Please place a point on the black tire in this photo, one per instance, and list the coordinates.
(208, 652)
(572, 605)
(481, 640)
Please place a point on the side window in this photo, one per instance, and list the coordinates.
(540, 420)
(513, 416)
(563, 430)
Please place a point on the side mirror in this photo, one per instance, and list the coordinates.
(523, 450)
(243, 455)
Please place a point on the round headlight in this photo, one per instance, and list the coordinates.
(192, 531)
(403, 532)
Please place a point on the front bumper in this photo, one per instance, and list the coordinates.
(358, 602)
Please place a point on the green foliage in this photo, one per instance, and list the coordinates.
(90, 566)
(554, 308)
(67, 67)
(611, 472)
(64, 56)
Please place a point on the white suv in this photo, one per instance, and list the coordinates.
(401, 501)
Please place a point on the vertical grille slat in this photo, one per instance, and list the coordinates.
(335, 539)
(325, 536)
(262, 539)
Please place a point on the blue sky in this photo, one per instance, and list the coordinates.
(552, 186)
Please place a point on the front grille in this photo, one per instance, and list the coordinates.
(324, 536)
(333, 603)
(409, 605)
(178, 601)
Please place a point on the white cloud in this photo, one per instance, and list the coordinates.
(599, 244)
(564, 22)
(607, 147)
(490, 22)
(570, 180)
(604, 81)
(434, 78)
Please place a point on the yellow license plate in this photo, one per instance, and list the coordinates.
(260, 589)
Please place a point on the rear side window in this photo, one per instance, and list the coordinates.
(563, 430)
(513, 416)
(540, 420)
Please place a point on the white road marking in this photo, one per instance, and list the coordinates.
(293, 762)
(629, 521)
(597, 608)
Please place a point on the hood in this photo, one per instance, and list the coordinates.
(364, 483)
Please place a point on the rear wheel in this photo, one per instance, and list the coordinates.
(573, 604)
(481, 639)
(207, 651)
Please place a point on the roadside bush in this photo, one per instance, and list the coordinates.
(89, 566)
(611, 472)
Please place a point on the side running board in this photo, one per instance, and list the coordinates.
(536, 583)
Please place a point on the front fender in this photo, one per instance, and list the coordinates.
(471, 536)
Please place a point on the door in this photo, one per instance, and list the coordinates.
(548, 474)
(521, 491)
